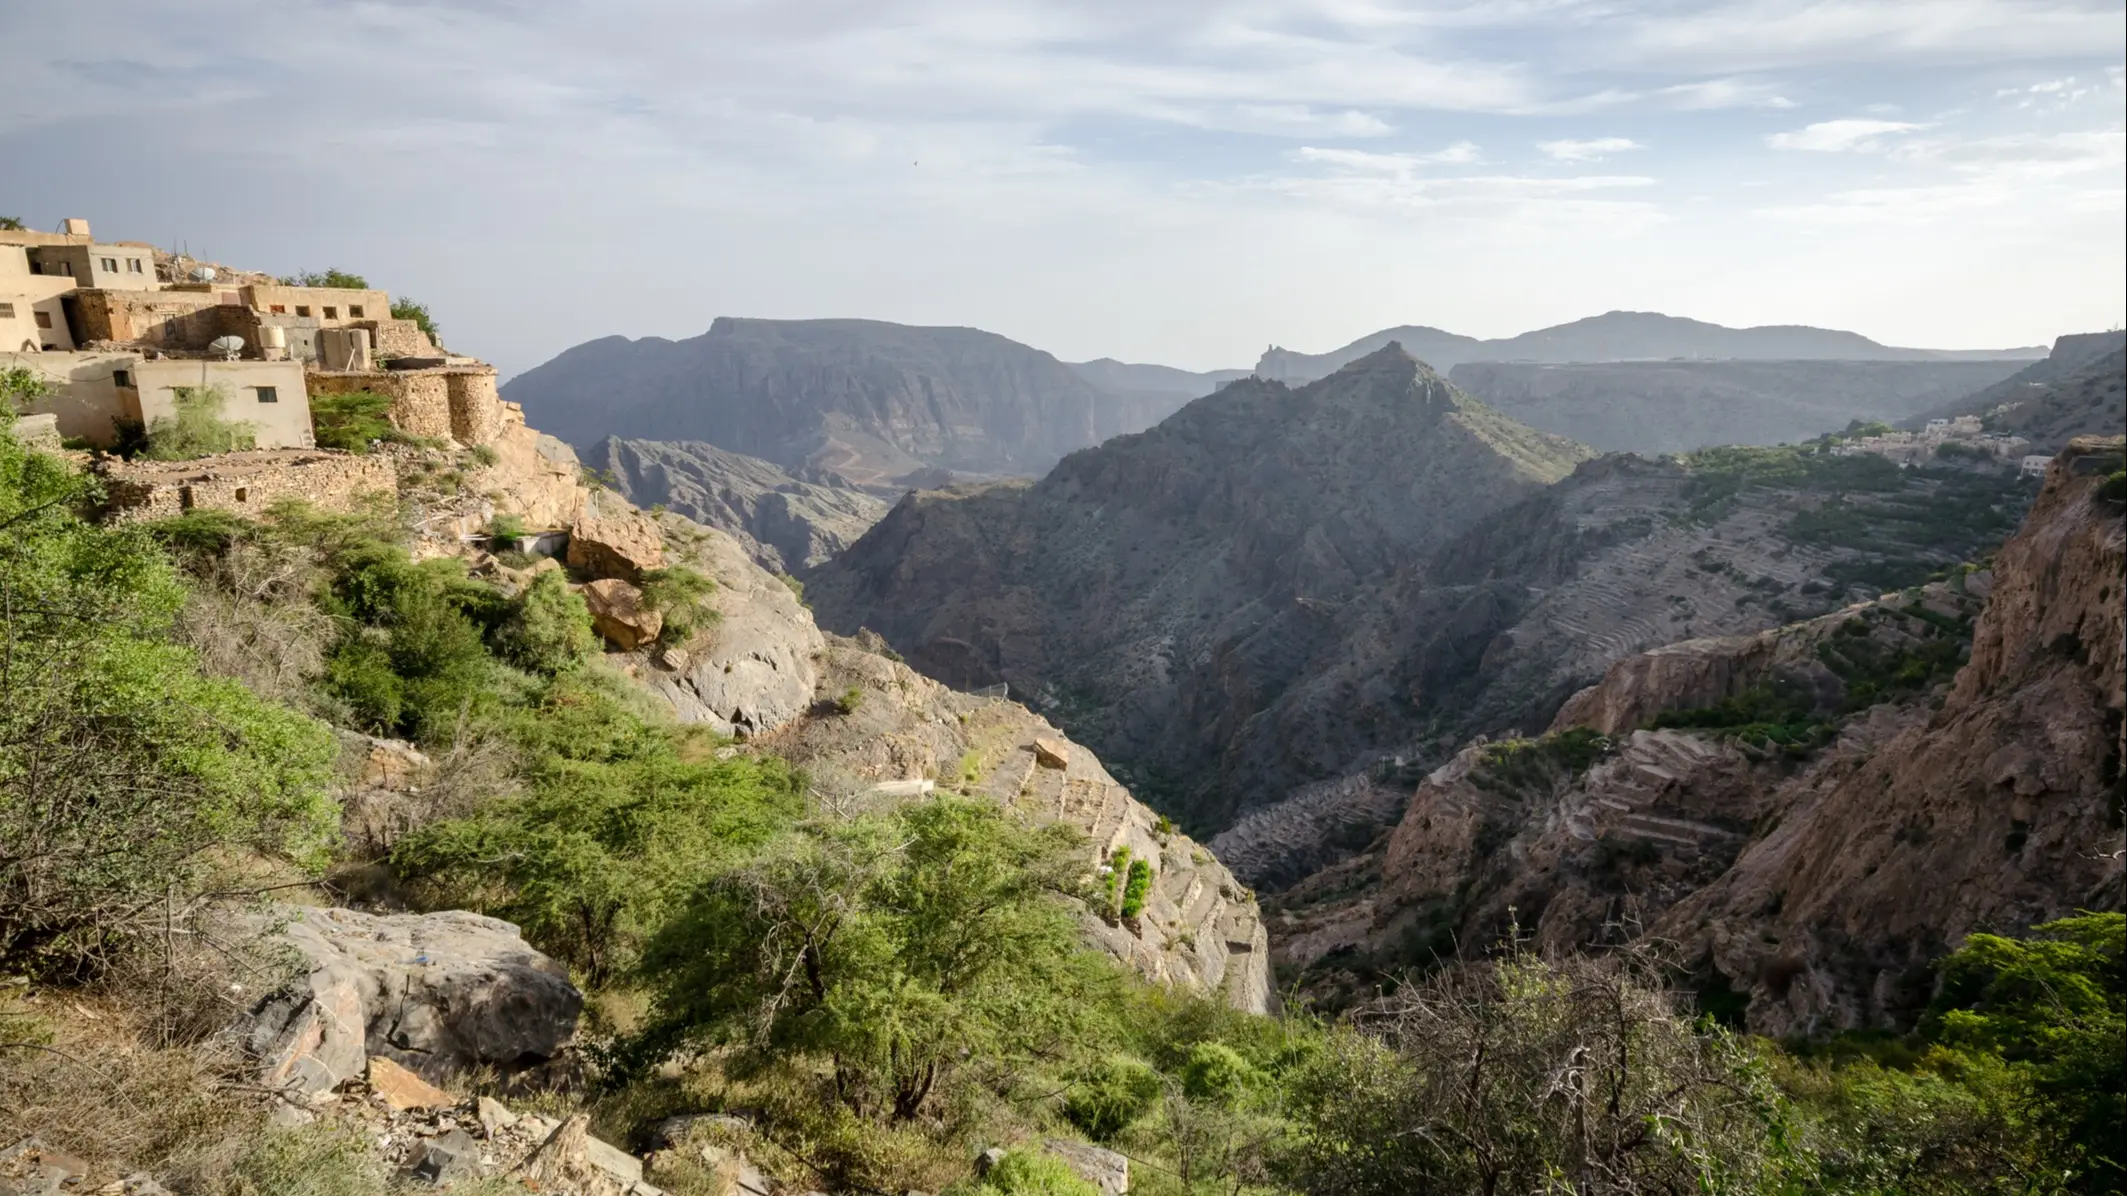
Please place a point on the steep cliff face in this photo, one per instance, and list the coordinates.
(785, 523)
(766, 673)
(1164, 589)
(1826, 819)
(871, 401)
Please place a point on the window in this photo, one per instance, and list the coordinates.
(121, 377)
(7, 311)
(111, 264)
(269, 394)
(301, 310)
(280, 309)
(332, 313)
(133, 266)
(44, 319)
(354, 311)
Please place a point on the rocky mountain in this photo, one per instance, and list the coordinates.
(1810, 814)
(1489, 634)
(1621, 336)
(1677, 406)
(2076, 391)
(785, 523)
(871, 401)
(1161, 591)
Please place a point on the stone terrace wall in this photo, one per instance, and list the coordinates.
(457, 403)
(399, 338)
(245, 483)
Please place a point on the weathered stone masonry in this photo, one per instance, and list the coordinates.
(245, 483)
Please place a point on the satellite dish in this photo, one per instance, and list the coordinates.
(202, 274)
(230, 347)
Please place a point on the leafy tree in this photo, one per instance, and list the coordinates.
(2053, 1007)
(407, 309)
(337, 279)
(196, 428)
(414, 659)
(897, 949)
(125, 775)
(11, 224)
(20, 385)
(1109, 1094)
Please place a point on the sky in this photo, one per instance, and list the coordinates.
(1177, 182)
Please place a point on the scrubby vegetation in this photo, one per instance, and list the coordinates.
(353, 421)
(195, 428)
(883, 990)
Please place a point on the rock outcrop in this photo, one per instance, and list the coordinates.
(610, 538)
(618, 614)
(436, 993)
(785, 523)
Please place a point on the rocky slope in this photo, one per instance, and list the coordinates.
(766, 673)
(1619, 336)
(871, 401)
(1825, 814)
(785, 523)
(1160, 591)
(1492, 632)
(1128, 376)
(1677, 406)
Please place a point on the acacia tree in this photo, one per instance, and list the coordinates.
(896, 948)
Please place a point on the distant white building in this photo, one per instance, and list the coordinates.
(2034, 466)
(1938, 425)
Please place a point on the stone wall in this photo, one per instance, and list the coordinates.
(420, 399)
(399, 338)
(170, 319)
(245, 483)
(450, 403)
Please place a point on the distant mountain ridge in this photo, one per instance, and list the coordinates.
(1679, 406)
(1621, 336)
(785, 523)
(872, 401)
(1153, 379)
(2074, 391)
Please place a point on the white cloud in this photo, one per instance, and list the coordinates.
(1592, 150)
(1840, 136)
(1461, 153)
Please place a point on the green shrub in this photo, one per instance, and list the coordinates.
(1215, 1072)
(613, 831)
(505, 531)
(125, 775)
(681, 595)
(547, 628)
(352, 421)
(1106, 1097)
(1136, 888)
(196, 428)
(1031, 1173)
(484, 455)
(851, 699)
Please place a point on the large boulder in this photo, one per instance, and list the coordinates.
(437, 993)
(618, 613)
(610, 538)
(754, 670)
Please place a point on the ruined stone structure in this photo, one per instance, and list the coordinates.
(245, 483)
(452, 402)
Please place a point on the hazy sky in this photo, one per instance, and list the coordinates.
(1156, 180)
